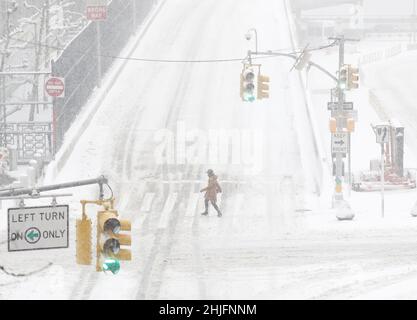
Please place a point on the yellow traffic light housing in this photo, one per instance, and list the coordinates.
(263, 87)
(350, 125)
(242, 86)
(353, 78)
(84, 245)
(333, 125)
(110, 240)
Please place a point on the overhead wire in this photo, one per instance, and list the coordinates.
(115, 57)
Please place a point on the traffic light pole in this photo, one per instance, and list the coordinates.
(35, 192)
(341, 122)
(292, 56)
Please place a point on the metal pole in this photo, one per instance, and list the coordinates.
(134, 22)
(339, 125)
(98, 54)
(294, 56)
(256, 37)
(414, 14)
(33, 191)
(54, 128)
(382, 180)
(349, 165)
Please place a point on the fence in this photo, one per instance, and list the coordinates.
(28, 138)
(78, 62)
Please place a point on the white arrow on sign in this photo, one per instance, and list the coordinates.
(340, 142)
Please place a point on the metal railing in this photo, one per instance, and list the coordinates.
(78, 62)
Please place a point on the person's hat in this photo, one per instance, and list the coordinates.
(210, 171)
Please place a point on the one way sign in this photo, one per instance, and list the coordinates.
(340, 142)
(382, 133)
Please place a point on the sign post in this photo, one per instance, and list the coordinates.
(382, 137)
(55, 88)
(38, 228)
(96, 11)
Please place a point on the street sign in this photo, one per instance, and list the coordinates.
(333, 106)
(55, 87)
(382, 133)
(96, 10)
(38, 228)
(340, 142)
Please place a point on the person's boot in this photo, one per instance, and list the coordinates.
(219, 214)
(205, 213)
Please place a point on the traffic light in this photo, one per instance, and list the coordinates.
(343, 77)
(350, 124)
(263, 87)
(110, 240)
(333, 125)
(247, 85)
(83, 247)
(353, 78)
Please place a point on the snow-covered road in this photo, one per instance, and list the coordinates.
(162, 125)
(263, 178)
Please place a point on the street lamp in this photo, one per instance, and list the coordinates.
(248, 36)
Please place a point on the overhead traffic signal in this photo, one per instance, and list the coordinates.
(353, 78)
(247, 85)
(83, 248)
(110, 240)
(263, 87)
(343, 77)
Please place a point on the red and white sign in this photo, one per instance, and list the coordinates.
(97, 13)
(55, 87)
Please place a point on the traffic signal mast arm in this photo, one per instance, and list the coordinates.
(34, 192)
(296, 58)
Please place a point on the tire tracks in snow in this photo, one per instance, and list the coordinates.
(153, 274)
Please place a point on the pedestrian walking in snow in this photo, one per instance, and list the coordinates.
(211, 191)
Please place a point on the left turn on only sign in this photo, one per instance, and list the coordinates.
(38, 228)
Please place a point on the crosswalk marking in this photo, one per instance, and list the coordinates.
(147, 202)
(138, 222)
(192, 205)
(169, 206)
(238, 203)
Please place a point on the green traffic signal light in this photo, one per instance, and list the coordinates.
(343, 78)
(249, 86)
(249, 97)
(111, 265)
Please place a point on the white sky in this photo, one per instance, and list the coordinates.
(372, 7)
